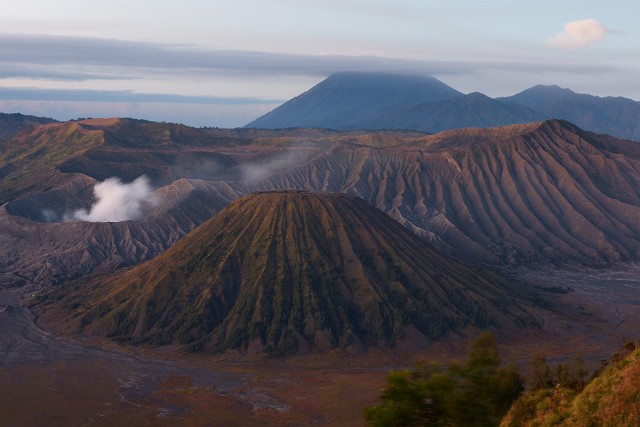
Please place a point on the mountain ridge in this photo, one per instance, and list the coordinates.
(472, 110)
(532, 194)
(616, 116)
(12, 123)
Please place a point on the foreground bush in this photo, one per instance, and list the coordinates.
(476, 393)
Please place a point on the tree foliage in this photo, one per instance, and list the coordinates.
(477, 392)
(572, 375)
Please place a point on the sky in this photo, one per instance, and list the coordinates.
(224, 63)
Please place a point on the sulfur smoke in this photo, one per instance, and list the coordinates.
(118, 201)
(257, 171)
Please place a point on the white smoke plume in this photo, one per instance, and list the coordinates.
(118, 201)
(48, 215)
(256, 171)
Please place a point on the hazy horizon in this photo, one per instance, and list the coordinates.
(210, 64)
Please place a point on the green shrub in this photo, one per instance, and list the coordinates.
(476, 393)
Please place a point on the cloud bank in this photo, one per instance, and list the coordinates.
(578, 34)
(85, 58)
(118, 201)
(67, 77)
(89, 95)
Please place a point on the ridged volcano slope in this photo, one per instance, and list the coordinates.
(541, 192)
(545, 192)
(286, 272)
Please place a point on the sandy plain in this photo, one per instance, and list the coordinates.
(53, 380)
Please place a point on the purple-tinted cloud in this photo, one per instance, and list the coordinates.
(82, 58)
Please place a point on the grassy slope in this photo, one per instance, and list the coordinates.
(611, 399)
(29, 160)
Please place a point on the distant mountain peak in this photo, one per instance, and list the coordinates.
(479, 95)
(373, 101)
(339, 101)
(540, 97)
(549, 88)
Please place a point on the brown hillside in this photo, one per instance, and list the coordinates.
(29, 160)
(12, 123)
(544, 192)
(286, 272)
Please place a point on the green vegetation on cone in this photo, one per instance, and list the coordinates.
(287, 272)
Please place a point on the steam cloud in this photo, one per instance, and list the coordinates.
(257, 171)
(118, 201)
(579, 34)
